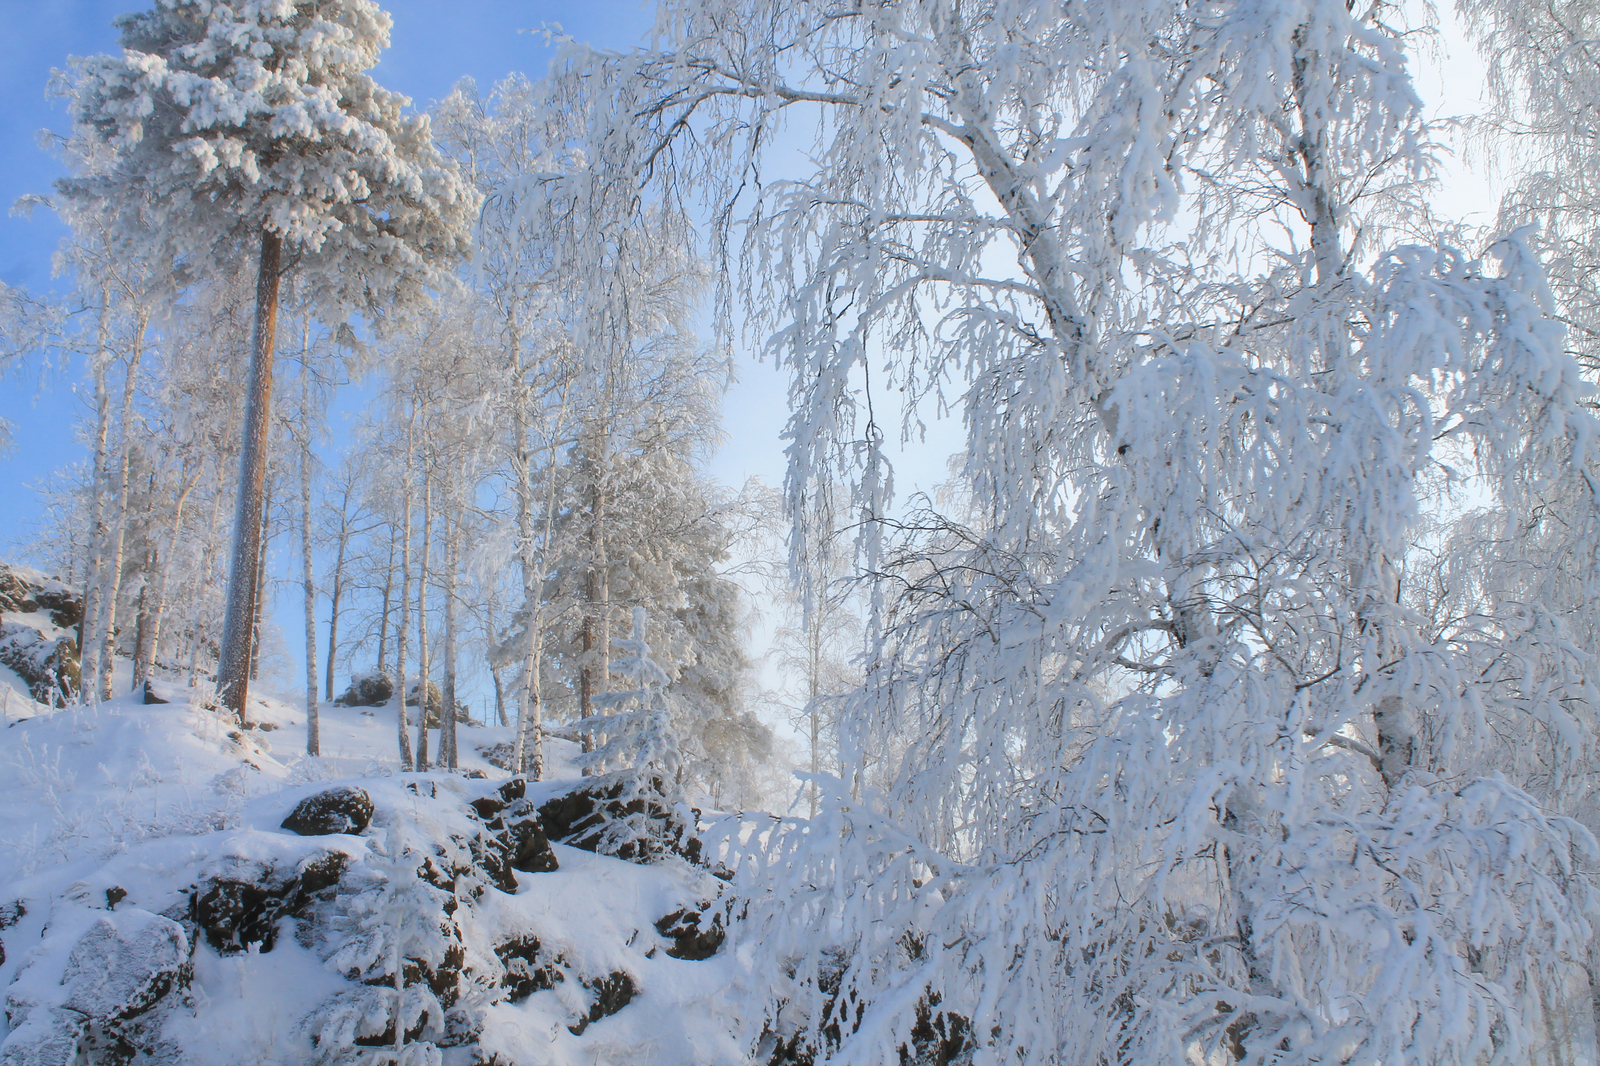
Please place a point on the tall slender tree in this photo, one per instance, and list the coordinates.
(252, 128)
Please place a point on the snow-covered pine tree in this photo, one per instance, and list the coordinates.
(1170, 788)
(234, 127)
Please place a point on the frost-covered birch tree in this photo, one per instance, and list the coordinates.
(1183, 773)
(250, 127)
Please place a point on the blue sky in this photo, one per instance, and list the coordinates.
(434, 43)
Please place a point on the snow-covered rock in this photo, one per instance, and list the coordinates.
(338, 810)
(94, 974)
(153, 907)
(37, 616)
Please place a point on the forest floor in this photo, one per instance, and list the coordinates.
(128, 830)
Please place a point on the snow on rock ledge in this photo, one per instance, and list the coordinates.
(216, 936)
(91, 980)
(37, 614)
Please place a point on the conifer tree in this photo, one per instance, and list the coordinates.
(251, 128)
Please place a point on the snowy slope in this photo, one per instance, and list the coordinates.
(152, 905)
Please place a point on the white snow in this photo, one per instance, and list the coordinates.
(152, 800)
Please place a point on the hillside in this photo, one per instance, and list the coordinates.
(156, 909)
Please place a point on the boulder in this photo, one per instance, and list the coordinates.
(370, 689)
(435, 704)
(47, 1038)
(338, 810)
(117, 972)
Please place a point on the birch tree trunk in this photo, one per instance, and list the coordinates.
(89, 634)
(335, 592)
(406, 761)
(233, 666)
(308, 580)
(153, 610)
(113, 579)
(388, 598)
(447, 720)
(423, 665)
(494, 667)
(208, 567)
(141, 628)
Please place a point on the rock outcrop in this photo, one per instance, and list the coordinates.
(420, 923)
(367, 690)
(37, 616)
(117, 968)
(338, 810)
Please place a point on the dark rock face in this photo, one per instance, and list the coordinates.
(692, 936)
(367, 690)
(10, 915)
(435, 699)
(237, 912)
(528, 847)
(626, 815)
(48, 663)
(611, 993)
(525, 974)
(20, 594)
(500, 754)
(338, 810)
(64, 604)
(938, 1038)
(117, 971)
(519, 836)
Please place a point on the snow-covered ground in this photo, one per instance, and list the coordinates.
(118, 819)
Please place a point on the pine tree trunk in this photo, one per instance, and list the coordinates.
(233, 667)
(313, 724)
(424, 667)
(259, 596)
(89, 635)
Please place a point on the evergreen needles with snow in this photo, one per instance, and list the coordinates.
(230, 129)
